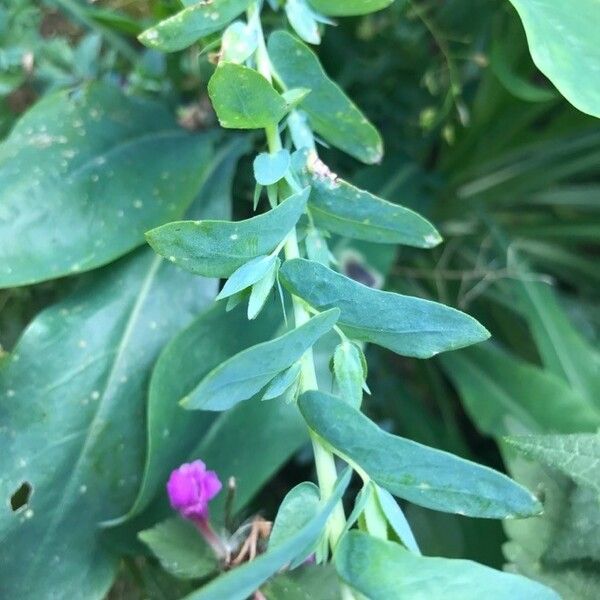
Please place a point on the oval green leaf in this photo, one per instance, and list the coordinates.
(248, 372)
(84, 174)
(331, 113)
(384, 570)
(244, 99)
(346, 210)
(270, 168)
(218, 248)
(408, 326)
(192, 23)
(417, 473)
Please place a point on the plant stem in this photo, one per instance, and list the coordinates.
(324, 461)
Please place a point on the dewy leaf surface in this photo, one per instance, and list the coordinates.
(194, 22)
(218, 248)
(245, 374)
(384, 570)
(331, 113)
(76, 208)
(408, 326)
(417, 473)
(563, 40)
(73, 398)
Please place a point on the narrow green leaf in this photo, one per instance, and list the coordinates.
(564, 45)
(384, 570)
(302, 20)
(282, 382)
(577, 456)
(316, 247)
(270, 168)
(218, 248)
(348, 8)
(101, 168)
(192, 23)
(395, 517)
(299, 506)
(261, 290)
(349, 373)
(248, 274)
(341, 208)
(422, 475)
(245, 374)
(180, 549)
(244, 99)
(331, 113)
(409, 326)
(241, 582)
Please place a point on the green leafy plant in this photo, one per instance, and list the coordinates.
(143, 371)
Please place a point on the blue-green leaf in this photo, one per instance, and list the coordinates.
(331, 113)
(396, 519)
(282, 382)
(218, 248)
(247, 275)
(409, 326)
(348, 8)
(423, 475)
(270, 168)
(303, 21)
(194, 22)
(248, 372)
(239, 43)
(261, 290)
(384, 570)
(349, 372)
(241, 582)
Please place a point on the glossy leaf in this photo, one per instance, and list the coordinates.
(384, 570)
(246, 373)
(244, 99)
(422, 475)
(180, 549)
(218, 248)
(247, 275)
(194, 22)
(409, 326)
(341, 208)
(564, 45)
(73, 426)
(102, 168)
(348, 8)
(577, 456)
(241, 582)
(331, 113)
(270, 168)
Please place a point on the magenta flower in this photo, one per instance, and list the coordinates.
(191, 488)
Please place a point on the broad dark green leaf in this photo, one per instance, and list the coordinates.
(409, 326)
(384, 570)
(577, 456)
(305, 583)
(74, 393)
(194, 22)
(342, 208)
(495, 387)
(423, 475)
(298, 507)
(218, 248)
(84, 174)
(191, 355)
(564, 45)
(331, 113)
(246, 373)
(347, 8)
(244, 99)
(180, 549)
(241, 582)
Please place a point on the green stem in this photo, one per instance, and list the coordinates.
(324, 461)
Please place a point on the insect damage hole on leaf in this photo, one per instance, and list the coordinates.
(19, 499)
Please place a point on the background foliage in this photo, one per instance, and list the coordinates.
(476, 139)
